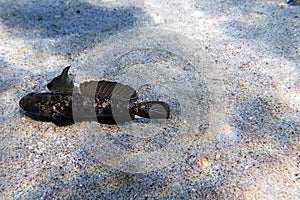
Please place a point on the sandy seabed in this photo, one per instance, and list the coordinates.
(228, 69)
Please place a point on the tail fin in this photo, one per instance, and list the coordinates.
(152, 110)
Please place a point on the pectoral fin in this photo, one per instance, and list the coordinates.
(61, 119)
(57, 114)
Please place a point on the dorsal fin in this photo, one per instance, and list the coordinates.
(62, 83)
(108, 89)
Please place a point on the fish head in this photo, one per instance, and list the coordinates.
(38, 104)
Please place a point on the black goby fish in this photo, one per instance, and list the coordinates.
(105, 101)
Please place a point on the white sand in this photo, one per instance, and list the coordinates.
(237, 135)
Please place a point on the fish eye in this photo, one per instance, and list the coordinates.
(30, 102)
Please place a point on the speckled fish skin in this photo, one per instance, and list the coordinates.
(60, 107)
(104, 101)
(47, 104)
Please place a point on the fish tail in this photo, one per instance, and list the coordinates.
(152, 110)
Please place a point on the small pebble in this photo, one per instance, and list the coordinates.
(203, 162)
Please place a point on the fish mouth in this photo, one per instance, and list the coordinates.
(24, 101)
(21, 103)
(28, 104)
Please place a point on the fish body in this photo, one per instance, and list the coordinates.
(105, 101)
(293, 2)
